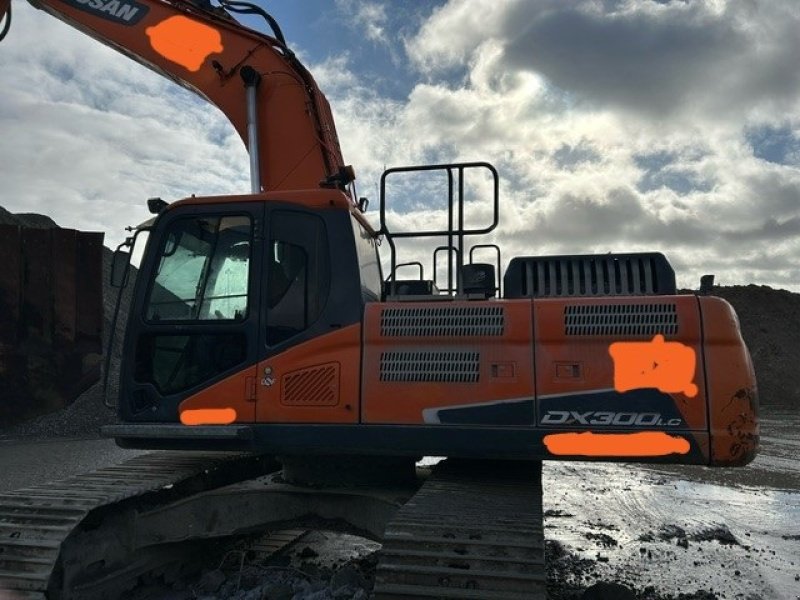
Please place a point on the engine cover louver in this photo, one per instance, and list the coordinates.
(316, 386)
(646, 274)
(621, 319)
(443, 321)
(441, 367)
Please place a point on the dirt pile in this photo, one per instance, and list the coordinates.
(770, 321)
(31, 220)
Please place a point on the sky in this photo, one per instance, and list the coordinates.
(615, 125)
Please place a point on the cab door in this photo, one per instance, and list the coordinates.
(311, 313)
(194, 327)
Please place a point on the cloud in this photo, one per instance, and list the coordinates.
(654, 58)
(369, 18)
(454, 33)
(623, 125)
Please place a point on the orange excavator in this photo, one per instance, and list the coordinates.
(265, 321)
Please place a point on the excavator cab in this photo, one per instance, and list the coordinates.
(224, 286)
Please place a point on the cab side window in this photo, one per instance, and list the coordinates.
(368, 263)
(297, 272)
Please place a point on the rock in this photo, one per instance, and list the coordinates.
(608, 591)
(247, 595)
(250, 578)
(302, 588)
(318, 595)
(211, 581)
(279, 560)
(315, 586)
(277, 591)
(347, 576)
(719, 533)
(308, 552)
(346, 592)
(228, 589)
(311, 570)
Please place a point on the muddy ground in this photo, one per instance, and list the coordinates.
(666, 532)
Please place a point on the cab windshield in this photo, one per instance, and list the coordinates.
(203, 271)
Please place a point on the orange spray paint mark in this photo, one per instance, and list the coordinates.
(208, 416)
(644, 443)
(184, 41)
(668, 366)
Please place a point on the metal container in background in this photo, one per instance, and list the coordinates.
(51, 318)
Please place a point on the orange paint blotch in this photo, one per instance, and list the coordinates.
(208, 416)
(184, 41)
(668, 366)
(643, 443)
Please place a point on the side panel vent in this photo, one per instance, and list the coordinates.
(443, 321)
(440, 367)
(621, 319)
(317, 386)
(646, 274)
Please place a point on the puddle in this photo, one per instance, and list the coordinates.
(649, 529)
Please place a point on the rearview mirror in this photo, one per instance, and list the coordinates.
(119, 267)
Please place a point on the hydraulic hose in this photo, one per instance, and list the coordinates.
(247, 8)
(6, 22)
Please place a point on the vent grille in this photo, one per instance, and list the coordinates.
(621, 319)
(317, 386)
(443, 321)
(440, 367)
(589, 275)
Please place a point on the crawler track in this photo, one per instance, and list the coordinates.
(472, 531)
(45, 531)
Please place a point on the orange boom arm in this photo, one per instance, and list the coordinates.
(205, 50)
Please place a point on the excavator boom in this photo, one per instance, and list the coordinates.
(292, 137)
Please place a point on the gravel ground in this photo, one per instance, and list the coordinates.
(81, 419)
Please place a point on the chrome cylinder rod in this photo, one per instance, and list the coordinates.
(251, 80)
